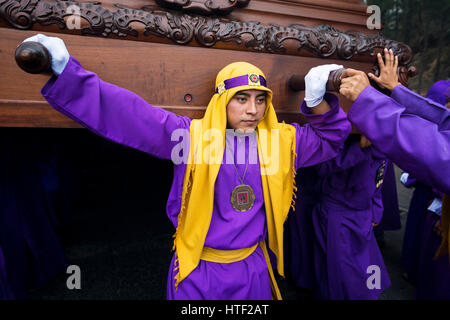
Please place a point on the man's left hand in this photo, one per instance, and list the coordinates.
(353, 82)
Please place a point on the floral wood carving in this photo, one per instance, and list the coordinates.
(205, 7)
(323, 41)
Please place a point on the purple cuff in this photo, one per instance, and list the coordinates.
(332, 100)
(417, 105)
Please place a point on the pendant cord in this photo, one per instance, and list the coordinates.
(246, 163)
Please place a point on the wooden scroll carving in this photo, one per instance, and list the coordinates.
(205, 7)
(182, 28)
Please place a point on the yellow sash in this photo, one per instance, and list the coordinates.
(228, 256)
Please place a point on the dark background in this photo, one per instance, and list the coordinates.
(424, 25)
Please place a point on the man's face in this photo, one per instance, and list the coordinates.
(246, 109)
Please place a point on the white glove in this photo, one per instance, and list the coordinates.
(57, 49)
(404, 177)
(316, 82)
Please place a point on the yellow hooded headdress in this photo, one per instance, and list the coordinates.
(277, 170)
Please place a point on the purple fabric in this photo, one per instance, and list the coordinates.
(5, 290)
(434, 275)
(345, 245)
(423, 194)
(121, 116)
(414, 132)
(391, 212)
(253, 220)
(299, 231)
(439, 92)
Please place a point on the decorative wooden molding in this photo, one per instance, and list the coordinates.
(182, 28)
(205, 7)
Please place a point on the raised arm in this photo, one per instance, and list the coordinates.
(321, 138)
(417, 145)
(110, 111)
(425, 108)
(328, 127)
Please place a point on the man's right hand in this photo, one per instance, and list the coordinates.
(56, 48)
(388, 78)
(353, 82)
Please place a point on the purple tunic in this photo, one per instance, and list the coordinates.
(345, 248)
(413, 132)
(122, 116)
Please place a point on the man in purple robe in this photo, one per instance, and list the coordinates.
(423, 232)
(299, 234)
(123, 117)
(413, 131)
(348, 262)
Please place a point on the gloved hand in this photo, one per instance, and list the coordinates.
(316, 82)
(404, 177)
(57, 49)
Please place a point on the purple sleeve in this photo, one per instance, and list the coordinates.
(113, 112)
(425, 108)
(416, 145)
(321, 138)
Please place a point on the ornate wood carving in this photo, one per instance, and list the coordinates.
(323, 41)
(205, 7)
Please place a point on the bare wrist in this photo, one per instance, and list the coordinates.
(392, 87)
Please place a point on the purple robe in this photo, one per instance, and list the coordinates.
(420, 242)
(412, 131)
(391, 212)
(433, 282)
(299, 231)
(412, 239)
(123, 117)
(345, 245)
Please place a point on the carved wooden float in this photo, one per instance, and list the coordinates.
(169, 51)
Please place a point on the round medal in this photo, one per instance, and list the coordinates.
(242, 198)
